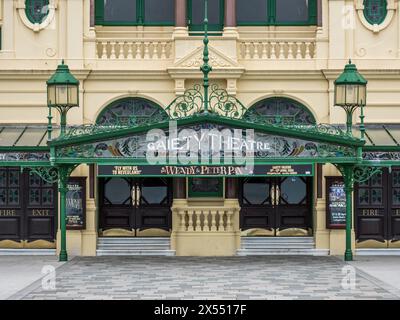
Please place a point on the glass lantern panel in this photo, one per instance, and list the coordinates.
(61, 94)
(73, 95)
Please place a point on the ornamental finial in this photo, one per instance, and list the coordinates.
(206, 68)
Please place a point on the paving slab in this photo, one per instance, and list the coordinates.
(260, 277)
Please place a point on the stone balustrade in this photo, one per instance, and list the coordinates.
(130, 49)
(206, 219)
(277, 49)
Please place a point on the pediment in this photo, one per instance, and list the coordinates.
(194, 60)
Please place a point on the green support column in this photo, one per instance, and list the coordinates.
(348, 176)
(63, 174)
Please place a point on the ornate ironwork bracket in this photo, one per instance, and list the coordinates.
(364, 173)
(360, 174)
(48, 174)
(53, 174)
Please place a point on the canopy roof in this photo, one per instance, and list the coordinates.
(33, 135)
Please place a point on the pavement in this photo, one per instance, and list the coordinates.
(257, 277)
(18, 272)
(384, 268)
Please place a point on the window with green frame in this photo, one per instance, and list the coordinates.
(36, 10)
(216, 10)
(135, 12)
(206, 188)
(375, 11)
(276, 12)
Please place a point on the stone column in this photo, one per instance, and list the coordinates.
(230, 28)
(180, 18)
(232, 201)
(179, 202)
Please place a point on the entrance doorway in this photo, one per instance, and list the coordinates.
(135, 205)
(28, 210)
(377, 209)
(276, 206)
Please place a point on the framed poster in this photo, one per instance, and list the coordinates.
(335, 203)
(76, 203)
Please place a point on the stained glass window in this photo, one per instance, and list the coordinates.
(280, 111)
(132, 112)
(375, 11)
(36, 10)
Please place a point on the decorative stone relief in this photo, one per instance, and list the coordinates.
(36, 27)
(391, 7)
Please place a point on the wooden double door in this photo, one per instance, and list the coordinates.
(377, 209)
(280, 206)
(135, 204)
(28, 208)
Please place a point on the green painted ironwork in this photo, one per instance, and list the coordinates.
(375, 11)
(48, 174)
(353, 173)
(36, 10)
(206, 68)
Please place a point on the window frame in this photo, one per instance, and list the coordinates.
(217, 194)
(213, 28)
(29, 3)
(270, 18)
(140, 17)
(382, 18)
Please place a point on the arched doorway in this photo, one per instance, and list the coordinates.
(277, 206)
(134, 206)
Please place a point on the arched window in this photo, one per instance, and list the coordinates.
(36, 10)
(131, 112)
(279, 110)
(375, 11)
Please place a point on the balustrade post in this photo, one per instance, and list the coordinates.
(213, 220)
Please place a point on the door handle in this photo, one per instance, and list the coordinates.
(138, 195)
(272, 195)
(133, 195)
(278, 195)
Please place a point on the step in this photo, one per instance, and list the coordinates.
(28, 252)
(106, 245)
(268, 246)
(377, 252)
(138, 252)
(133, 240)
(310, 252)
(278, 239)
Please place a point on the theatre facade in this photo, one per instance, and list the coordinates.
(137, 127)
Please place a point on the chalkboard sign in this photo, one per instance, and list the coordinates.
(335, 203)
(76, 203)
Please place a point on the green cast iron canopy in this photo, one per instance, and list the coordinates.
(351, 75)
(62, 76)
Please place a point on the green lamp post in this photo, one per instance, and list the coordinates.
(351, 93)
(62, 94)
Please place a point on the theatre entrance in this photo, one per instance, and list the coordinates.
(276, 206)
(135, 206)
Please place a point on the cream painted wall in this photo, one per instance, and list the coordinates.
(28, 58)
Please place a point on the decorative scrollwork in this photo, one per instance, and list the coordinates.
(48, 174)
(224, 104)
(187, 104)
(364, 173)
